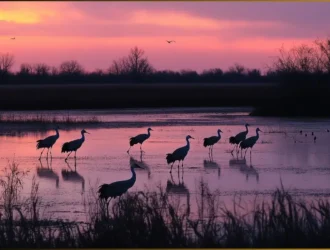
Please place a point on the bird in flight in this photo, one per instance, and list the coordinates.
(170, 41)
(13, 38)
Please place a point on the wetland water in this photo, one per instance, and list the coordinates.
(303, 166)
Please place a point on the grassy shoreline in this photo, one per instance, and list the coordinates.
(150, 219)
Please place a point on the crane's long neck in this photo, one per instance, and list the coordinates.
(148, 133)
(219, 136)
(57, 133)
(82, 137)
(257, 134)
(247, 129)
(188, 143)
(133, 178)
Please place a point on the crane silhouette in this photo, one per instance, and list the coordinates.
(171, 41)
(117, 188)
(239, 137)
(210, 141)
(48, 142)
(74, 145)
(250, 142)
(179, 154)
(139, 139)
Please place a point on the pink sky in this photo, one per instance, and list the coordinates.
(207, 34)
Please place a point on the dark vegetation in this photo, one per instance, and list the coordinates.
(151, 219)
(296, 84)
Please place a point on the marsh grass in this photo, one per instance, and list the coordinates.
(150, 219)
(46, 120)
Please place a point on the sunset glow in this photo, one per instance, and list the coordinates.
(207, 35)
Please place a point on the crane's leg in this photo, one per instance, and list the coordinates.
(141, 149)
(75, 154)
(68, 156)
(179, 165)
(129, 149)
(51, 156)
(47, 152)
(171, 167)
(41, 154)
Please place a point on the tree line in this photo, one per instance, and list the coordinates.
(296, 63)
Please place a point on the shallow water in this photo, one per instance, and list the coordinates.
(281, 153)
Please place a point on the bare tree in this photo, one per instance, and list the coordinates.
(26, 69)
(71, 67)
(6, 63)
(135, 64)
(237, 69)
(324, 47)
(41, 69)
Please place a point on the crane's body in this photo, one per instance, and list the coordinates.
(250, 142)
(179, 154)
(117, 188)
(48, 142)
(236, 140)
(73, 146)
(139, 139)
(210, 141)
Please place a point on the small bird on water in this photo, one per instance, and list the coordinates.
(314, 139)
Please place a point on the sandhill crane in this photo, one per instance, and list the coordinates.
(171, 41)
(239, 137)
(179, 154)
(48, 142)
(139, 139)
(250, 142)
(210, 141)
(117, 188)
(74, 145)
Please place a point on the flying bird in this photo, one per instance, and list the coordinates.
(210, 141)
(139, 139)
(179, 154)
(250, 142)
(171, 41)
(239, 137)
(48, 142)
(117, 188)
(74, 145)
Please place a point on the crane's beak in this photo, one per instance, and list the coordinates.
(192, 137)
(260, 130)
(87, 133)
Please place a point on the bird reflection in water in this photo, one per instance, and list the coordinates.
(48, 173)
(211, 164)
(178, 190)
(244, 168)
(142, 164)
(73, 175)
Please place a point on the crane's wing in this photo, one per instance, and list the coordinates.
(241, 136)
(248, 142)
(141, 137)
